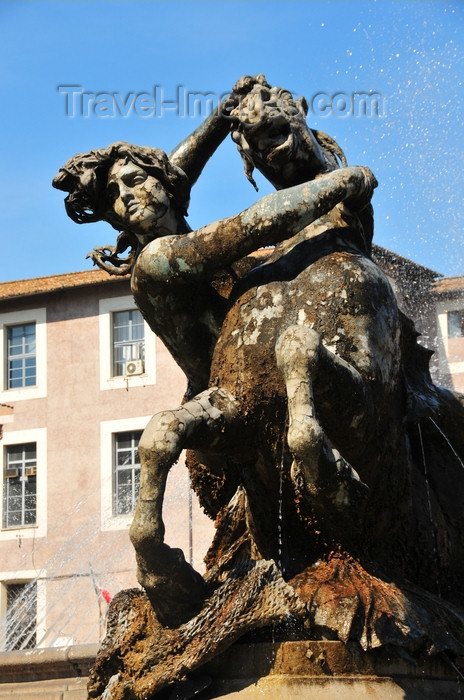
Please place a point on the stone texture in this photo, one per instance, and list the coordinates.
(322, 670)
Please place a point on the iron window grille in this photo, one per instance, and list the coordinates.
(126, 472)
(20, 486)
(21, 615)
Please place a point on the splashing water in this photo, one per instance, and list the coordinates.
(448, 442)
(62, 605)
(460, 676)
(70, 581)
(429, 505)
(280, 512)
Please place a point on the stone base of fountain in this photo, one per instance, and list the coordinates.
(326, 670)
(322, 670)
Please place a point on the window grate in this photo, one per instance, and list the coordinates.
(126, 472)
(21, 616)
(20, 486)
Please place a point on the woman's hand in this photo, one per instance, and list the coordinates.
(365, 187)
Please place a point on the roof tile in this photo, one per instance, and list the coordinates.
(39, 285)
(449, 284)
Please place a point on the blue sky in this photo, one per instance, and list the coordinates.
(412, 53)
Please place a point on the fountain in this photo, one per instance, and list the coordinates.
(315, 437)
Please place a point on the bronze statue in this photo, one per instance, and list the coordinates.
(308, 408)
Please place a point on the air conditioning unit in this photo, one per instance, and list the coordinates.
(134, 367)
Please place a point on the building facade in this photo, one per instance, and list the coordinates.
(448, 295)
(82, 374)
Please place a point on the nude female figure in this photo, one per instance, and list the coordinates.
(141, 191)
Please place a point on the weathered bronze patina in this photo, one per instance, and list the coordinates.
(314, 431)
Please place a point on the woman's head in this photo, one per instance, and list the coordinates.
(135, 188)
(271, 134)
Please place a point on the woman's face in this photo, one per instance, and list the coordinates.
(272, 132)
(140, 203)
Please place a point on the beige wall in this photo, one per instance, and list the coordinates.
(450, 351)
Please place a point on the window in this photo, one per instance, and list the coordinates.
(127, 346)
(455, 324)
(128, 340)
(126, 472)
(23, 502)
(20, 485)
(21, 615)
(23, 355)
(21, 364)
(120, 470)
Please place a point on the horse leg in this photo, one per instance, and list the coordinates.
(318, 470)
(174, 588)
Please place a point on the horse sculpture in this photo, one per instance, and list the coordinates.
(308, 406)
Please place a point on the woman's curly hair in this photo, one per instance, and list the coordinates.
(85, 177)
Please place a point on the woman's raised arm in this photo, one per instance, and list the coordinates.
(192, 154)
